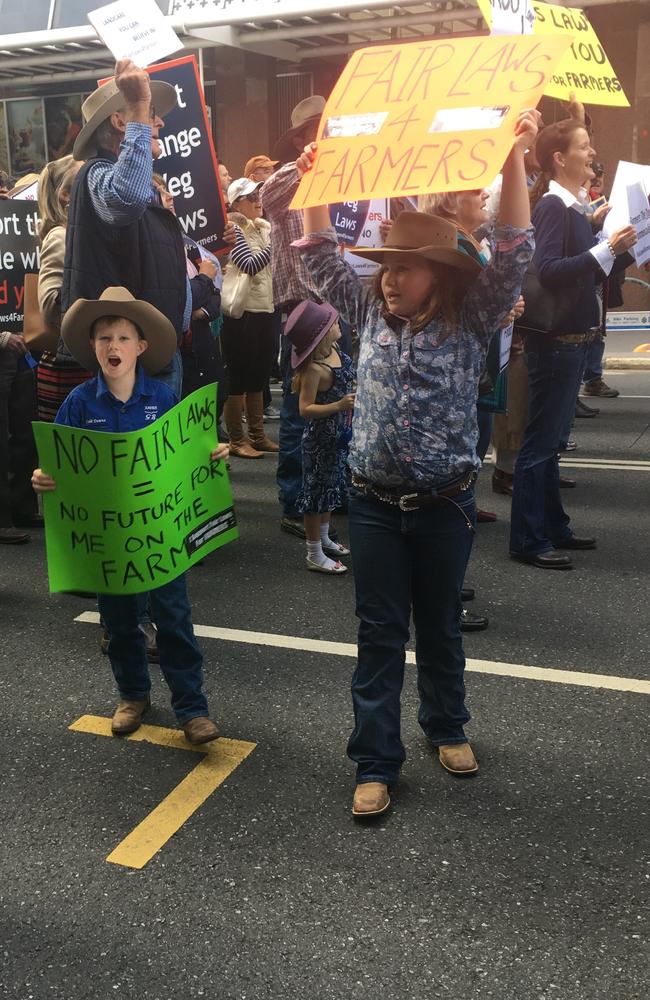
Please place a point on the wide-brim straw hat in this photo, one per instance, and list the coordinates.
(311, 109)
(156, 328)
(108, 98)
(425, 235)
(306, 326)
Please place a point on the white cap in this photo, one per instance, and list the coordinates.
(240, 188)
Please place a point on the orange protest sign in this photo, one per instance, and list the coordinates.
(425, 116)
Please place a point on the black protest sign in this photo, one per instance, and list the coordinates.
(19, 255)
(188, 161)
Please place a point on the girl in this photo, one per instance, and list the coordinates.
(424, 329)
(567, 256)
(324, 378)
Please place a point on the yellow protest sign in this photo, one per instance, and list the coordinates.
(585, 68)
(425, 116)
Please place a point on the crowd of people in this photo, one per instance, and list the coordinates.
(392, 387)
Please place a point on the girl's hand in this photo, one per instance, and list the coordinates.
(41, 482)
(526, 129)
(347, 403)
(306, 159)
(220, 453)
(515, 312)
(623, 239)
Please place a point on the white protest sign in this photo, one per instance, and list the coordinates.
(143, 34)
(369, 236)
(627, 174)
(512, 17)
(639, 213)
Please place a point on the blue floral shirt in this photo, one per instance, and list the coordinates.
(415, 414)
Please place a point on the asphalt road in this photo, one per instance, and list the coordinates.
(529, 882)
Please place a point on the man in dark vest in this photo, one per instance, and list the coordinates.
(118, 233)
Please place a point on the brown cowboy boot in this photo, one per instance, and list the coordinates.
(239, 443)
(255, 417)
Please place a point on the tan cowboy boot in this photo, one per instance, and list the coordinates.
(370, 799)
(255, 418)
(127, 717)
(239, 443)
(458, 759)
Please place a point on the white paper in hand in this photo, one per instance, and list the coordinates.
(639, 210)
(512, 17)
(142, 34)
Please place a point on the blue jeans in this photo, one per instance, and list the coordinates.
(180, 657)
(402, 562)
(594, 361)
(537, 518)
(289, 474)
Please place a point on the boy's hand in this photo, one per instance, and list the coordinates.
(347, 403)
(41, 482)
(220, 453)
(306, 159)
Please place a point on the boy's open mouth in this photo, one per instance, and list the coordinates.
(114, 362)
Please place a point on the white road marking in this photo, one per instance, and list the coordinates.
(547, 674)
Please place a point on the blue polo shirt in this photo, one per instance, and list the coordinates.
(93, 406)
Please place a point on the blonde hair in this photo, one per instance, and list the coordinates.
(445, 205)
(57, 177)
(320, 352)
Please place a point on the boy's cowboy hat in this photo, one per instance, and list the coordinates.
(156, 328)
(108, 98)
(306, 326)
(426, 235)
(305, 112)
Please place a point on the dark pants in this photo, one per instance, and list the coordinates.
(248, 346)
(538, 519)
(18, 457)
(180, 657)
(402, 562)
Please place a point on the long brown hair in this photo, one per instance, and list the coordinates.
(555, 138)
(444, 300)
(56, 178)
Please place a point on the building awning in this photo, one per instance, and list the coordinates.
(62, 51)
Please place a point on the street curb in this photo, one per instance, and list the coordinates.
(625, 364)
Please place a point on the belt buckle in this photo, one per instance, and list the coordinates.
(403, 502)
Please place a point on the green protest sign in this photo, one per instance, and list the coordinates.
(133, 511)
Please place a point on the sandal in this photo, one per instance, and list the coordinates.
(335, 570)
(335, 549)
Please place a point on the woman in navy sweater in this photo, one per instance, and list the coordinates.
(567, 254)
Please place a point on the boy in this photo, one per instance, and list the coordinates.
(107, 336)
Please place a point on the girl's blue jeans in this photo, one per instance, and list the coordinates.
(407, 562)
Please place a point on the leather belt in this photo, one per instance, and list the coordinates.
(413, 501)
(577, 338)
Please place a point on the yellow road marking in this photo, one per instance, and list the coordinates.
(220, 758)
